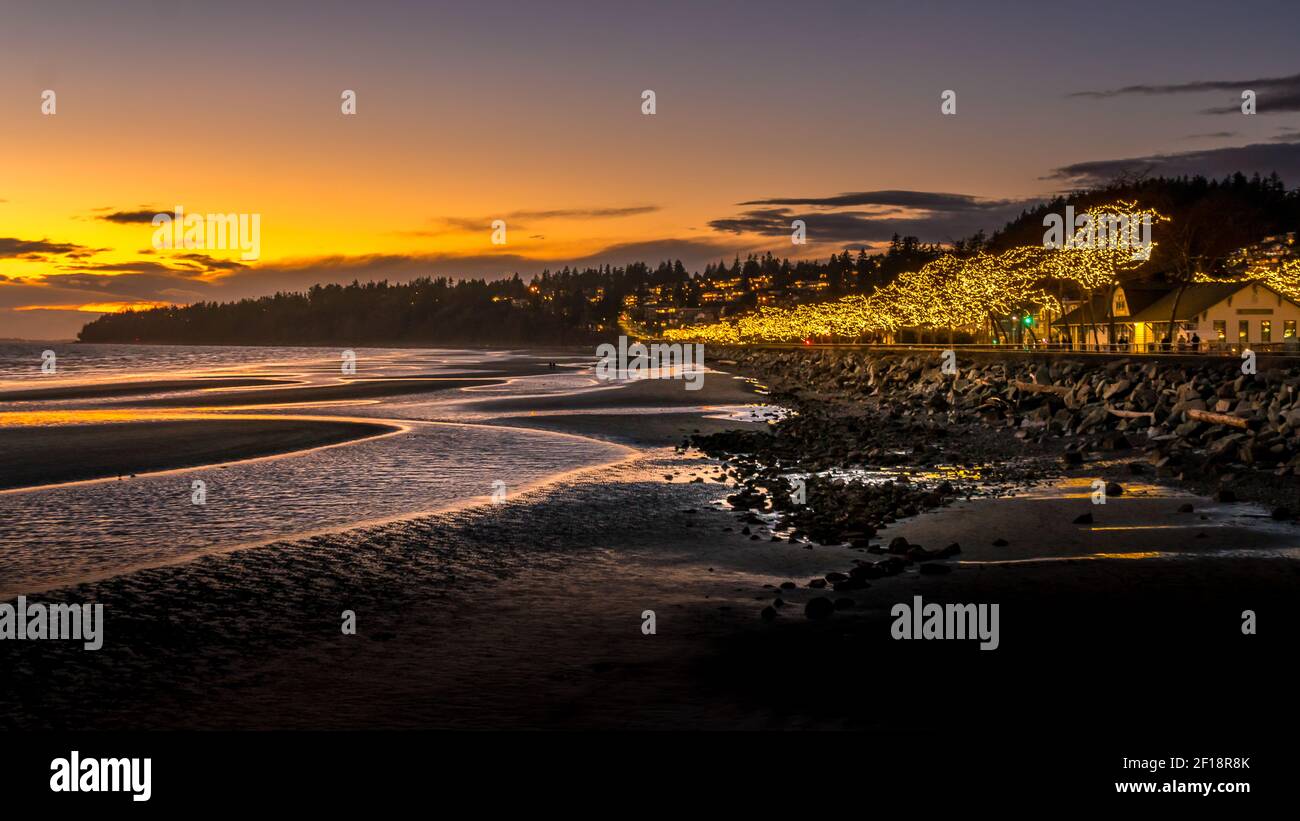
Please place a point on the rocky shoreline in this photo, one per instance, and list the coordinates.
(925, 438)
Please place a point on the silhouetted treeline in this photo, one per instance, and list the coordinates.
(568, 306)
(423, 310)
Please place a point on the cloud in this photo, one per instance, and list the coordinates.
(513, 218)
(1273, 93)
(1213, 135)
(35, 248)
(190, 265)
(208, 264)
(129, 287)
(584, 213)
(134, 267)
(694, 253)
(928, 200)
(143, 215)
(1264, 158)
(932, 216)
(19, 292)
(96, 307)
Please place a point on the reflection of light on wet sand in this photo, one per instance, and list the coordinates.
(299, 381)
(746, 413)
(1145, 554)
(1141, 554)
(316, 403)
(126, 415)
(90, 417)
(327, 490)
(1193, 526)
(1075, 487)
(511, 386)
(934, 473)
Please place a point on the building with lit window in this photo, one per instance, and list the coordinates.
(1220, 315)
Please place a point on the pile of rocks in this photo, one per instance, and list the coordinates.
(1007, 420)
(1203, 417)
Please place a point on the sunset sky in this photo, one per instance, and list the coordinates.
(531, 113)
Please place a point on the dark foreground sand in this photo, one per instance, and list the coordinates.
(45, 455)
(529, 614)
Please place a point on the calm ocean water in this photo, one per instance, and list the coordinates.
(72, 532)
(20, 363)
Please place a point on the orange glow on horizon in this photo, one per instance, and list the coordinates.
(98, 307)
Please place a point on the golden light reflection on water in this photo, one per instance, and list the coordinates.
(1144, 554)
(1081, 557)
(89, 417)
(14, 419)
(1075, 487)
(950, 472)
(1197, 526)
(935, 473)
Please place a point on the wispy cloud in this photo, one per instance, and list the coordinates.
(870, 217)
(1275, 94)
(517, 218)
(584, 213)
(36, 248)
(928, 200)
(1282, 157)
(143, 214)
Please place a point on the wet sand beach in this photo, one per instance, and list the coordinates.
(529, 613)
(52, 454)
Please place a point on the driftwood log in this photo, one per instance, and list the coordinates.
(1217, 418)
(1128, 414)
(1034, 387)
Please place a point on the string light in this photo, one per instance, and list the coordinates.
(954, 292)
